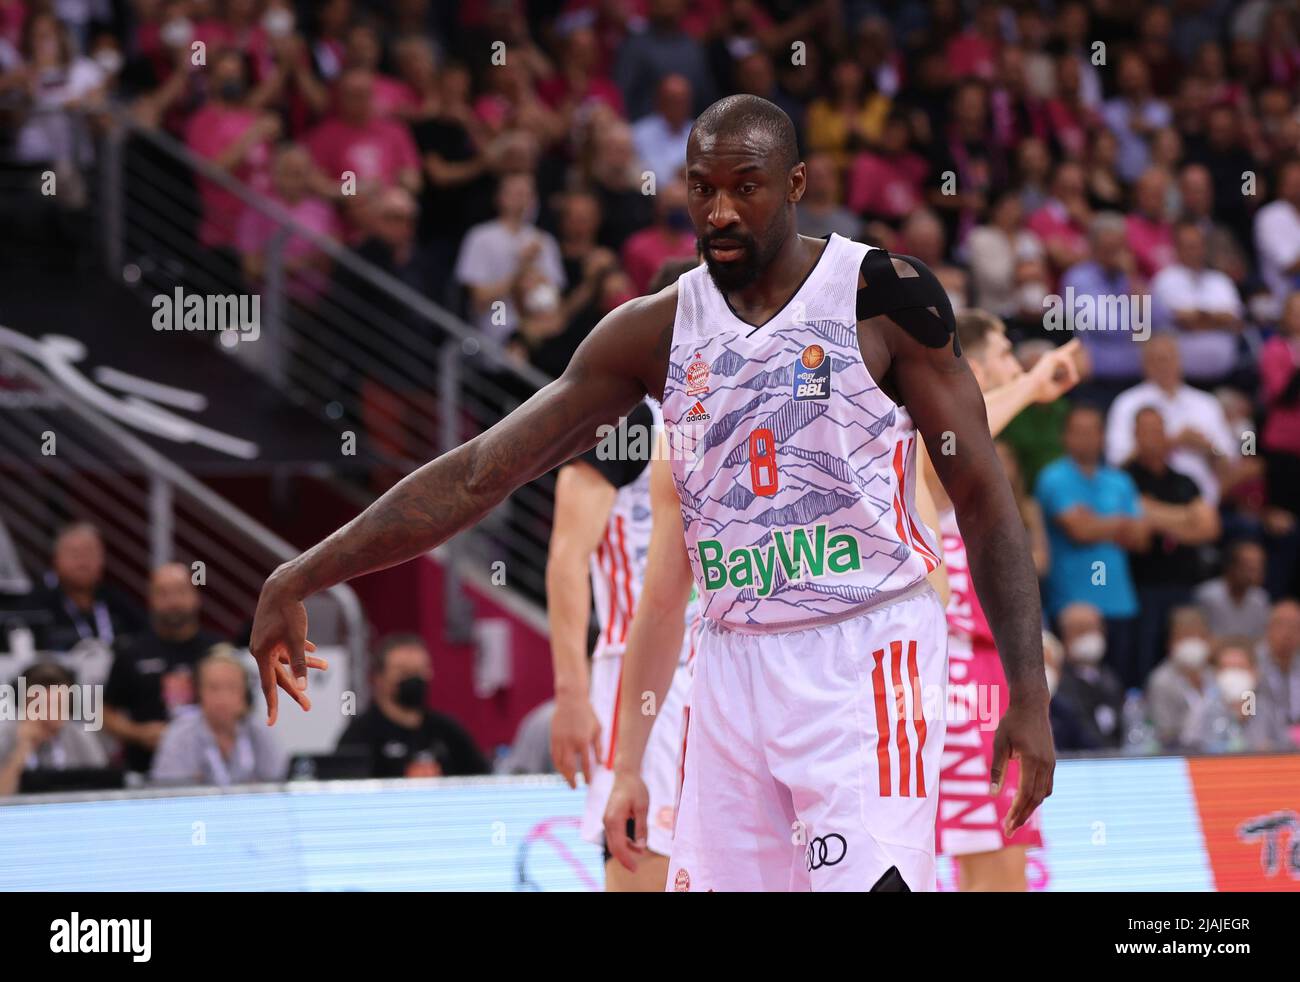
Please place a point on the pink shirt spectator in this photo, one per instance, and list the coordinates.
(554, 91)
(888, 187)
(1051, 223)
(209, 134)
(1278, 361)
(13, 14)
(1152, 244)
(378, 151)
(1071, 126)
(972, 54)
(256, 230)
(393, 97)
(647, 250)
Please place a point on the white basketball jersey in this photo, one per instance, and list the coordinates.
(619, 562)
(796, 472)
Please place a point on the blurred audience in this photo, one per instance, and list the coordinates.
(404, 737)
(45, 740)
(1086, 682)
(219, 742)
(75, 604)
(152, 677)
(1183, 679)
(1236, 601)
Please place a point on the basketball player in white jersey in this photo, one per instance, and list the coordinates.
(600, 541)
(800, 372)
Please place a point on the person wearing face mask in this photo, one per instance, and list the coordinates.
(1237, 715)
(404, 737)
(152, 676)
(1070, 728)
(1086, 682)
(1180, 682)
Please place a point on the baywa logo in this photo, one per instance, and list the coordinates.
(801, 552)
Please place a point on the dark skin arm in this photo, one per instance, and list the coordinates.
(623, 358)
(941, 394)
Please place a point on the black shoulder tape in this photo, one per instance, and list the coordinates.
(616, 468)
(907, 300)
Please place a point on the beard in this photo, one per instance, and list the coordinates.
(757, 255)
(174, 623)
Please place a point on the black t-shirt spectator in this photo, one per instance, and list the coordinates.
(393, 747)
(110, 617)
(624, 213)
(1166, 562)
(450, 212)
(135, 683)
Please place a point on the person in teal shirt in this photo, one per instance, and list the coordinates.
(1094, 516)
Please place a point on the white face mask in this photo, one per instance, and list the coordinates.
(109, 59)
(177, 33)
(278, 23)
(1088, 649)
(1234, 683)
(1190, 653)
(1053, 679)
(542, 299)
(1031, 296)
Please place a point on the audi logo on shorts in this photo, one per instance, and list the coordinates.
(826, 850)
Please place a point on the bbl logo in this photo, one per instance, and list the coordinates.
(812, 374)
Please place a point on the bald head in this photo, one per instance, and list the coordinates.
(752, 121)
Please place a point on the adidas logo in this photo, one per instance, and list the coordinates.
(697, 413)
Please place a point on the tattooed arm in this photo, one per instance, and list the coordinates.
(624, 357)
(942, 396)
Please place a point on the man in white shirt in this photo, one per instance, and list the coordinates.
(660, 138)
(495, 256)
(1202, 303)
(1201, 437)
(1277, 235)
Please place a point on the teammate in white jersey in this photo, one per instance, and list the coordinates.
(600, 541)
(812, 739)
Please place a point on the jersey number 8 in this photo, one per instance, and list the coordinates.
(762, 462)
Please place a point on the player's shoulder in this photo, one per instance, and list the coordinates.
(905, 291)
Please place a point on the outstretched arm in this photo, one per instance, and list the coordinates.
(943, 398)
(624, 357)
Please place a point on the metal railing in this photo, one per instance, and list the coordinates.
(148, 510)
(369, 353)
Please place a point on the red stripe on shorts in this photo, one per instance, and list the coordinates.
(918, 717)
(882, 723)
(904, 745)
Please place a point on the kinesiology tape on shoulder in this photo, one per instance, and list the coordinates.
(909, 301)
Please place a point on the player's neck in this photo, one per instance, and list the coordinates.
(783, 276)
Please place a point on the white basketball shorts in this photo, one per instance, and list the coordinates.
(661, 765)
(812, 756)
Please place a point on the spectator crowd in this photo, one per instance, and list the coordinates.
(177, 707)
(521, 163)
